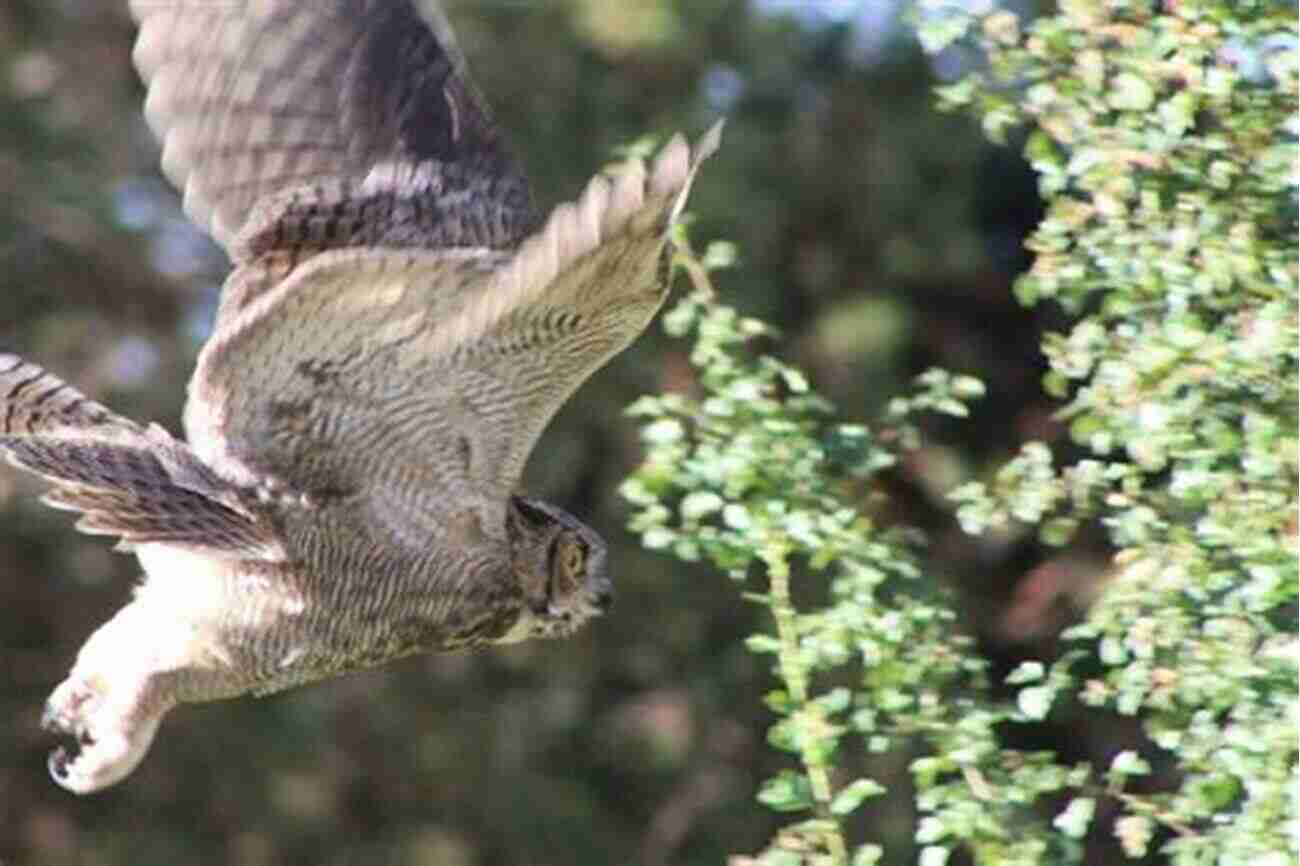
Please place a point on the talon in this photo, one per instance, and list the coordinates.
(104, 735)
(58, 764)
(62, 709)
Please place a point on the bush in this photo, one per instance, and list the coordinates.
(1165, 143)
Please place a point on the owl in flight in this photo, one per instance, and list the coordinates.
(398, 328)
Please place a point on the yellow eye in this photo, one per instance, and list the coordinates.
(573, 558)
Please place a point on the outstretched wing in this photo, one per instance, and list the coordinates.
(296, 124)
(418, 382)
(136, 483)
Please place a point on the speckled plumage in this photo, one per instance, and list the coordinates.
(397, 331)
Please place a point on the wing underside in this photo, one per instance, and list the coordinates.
(407, 375)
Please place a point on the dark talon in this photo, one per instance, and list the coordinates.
(58, 763)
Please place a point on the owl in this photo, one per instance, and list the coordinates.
(397, 329)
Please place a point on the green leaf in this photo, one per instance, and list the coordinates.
(930, 829)
(658, 538)
(835, 701)
(795, 380)
(787, 735)
(1134, 833)
(1128, 763)
(1058, 531)
(1035, 702)
(854, 794)
(1129, 92)
(942, 27)
(967, 387)
(868, 855)
(736, 516)
(933, 855)
(718, 255)
(780, 857)
(1026, 672)
(663, 431)
(786, 792)
(680, 319)
(700, 503)
(1074, 821)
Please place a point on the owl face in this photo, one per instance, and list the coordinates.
(560, 563)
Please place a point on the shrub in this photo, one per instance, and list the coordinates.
(1165, 143)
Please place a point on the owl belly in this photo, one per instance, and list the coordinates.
(230, 626)
(369, 613)
(216, 626)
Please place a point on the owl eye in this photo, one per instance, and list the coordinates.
(570, 557)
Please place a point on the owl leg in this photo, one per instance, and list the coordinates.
(110, 705)
(108, 735)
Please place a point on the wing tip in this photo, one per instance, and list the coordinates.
(709, 143)
(678, 161)
(631, 199)
(706, 146)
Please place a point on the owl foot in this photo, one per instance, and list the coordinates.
(104, 742)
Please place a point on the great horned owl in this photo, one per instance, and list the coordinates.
(398, 329)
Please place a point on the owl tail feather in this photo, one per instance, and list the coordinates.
(134, 482)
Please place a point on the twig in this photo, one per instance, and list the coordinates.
(796, 682)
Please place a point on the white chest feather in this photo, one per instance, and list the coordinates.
(204, 588)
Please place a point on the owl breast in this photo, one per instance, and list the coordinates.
(262, 626)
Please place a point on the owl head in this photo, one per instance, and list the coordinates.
(560, 564)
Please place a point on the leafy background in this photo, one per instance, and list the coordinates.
(881, 238)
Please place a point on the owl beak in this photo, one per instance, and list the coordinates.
(602, 596)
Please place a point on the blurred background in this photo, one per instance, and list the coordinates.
(881, 237)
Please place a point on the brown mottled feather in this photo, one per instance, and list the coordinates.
(315, 125)
(478, 349)
(136, 483)
(33, 401)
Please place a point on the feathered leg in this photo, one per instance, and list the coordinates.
(187, 525)
(109, 707)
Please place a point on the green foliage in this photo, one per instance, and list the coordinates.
(1165, 144)
(755, 476)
